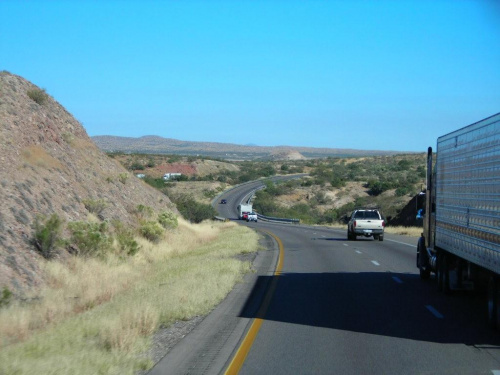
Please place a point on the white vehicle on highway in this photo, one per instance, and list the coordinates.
(366, 222)
(252, 216)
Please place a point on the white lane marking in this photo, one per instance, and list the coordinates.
(397, 279)
(375, 262)
(495, 372)
(402, 243)
(434, 312)
(345, 244)
(359, 252)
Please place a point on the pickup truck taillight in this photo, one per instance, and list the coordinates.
(383, 224)
(354, 224)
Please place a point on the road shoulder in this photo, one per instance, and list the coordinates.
(205, 345)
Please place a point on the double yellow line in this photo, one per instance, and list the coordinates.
(240, 356)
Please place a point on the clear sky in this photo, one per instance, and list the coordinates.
(381, 75)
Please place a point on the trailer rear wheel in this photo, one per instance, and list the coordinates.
(443, 272)
(422, 261)
(439, 271)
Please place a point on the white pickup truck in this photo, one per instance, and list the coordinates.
(252, 216)
(366, 222)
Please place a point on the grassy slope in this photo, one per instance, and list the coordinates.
(166, 282)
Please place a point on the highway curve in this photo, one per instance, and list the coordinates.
(336, 307)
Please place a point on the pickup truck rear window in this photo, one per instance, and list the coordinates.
(366, 215)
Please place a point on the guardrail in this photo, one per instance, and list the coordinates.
(278, 219)
(269, 218)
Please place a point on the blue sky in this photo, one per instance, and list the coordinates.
(379, 75)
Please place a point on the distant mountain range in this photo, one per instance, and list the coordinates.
(152, 144)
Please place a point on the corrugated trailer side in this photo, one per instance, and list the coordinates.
(468, 193)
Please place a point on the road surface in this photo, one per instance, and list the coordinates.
(336, 307)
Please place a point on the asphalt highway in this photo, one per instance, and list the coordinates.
(336, 307)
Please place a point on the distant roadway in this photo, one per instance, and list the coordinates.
(319, 304)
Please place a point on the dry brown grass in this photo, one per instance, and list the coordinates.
(37, 156)
(405, 231)
(98, 315)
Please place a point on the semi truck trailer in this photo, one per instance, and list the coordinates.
(460, 242)
(242, 209)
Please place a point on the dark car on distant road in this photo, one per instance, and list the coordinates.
(223, 201)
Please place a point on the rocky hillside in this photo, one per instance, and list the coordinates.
(48, 164)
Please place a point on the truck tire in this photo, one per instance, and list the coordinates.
(443, 273)
(422, 262)
(381, 237)
(439, 271)
(350, 236)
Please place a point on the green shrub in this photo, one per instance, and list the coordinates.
(158, 183)
(5, 297)
(152, 231)
(377, 187)
(95, 206)
(125, 237)
(168, 220)
(38, 95)
(144, 212)
(68, 137)
(128, 244)
(47, 234)
(192, 210)
(136, 166)
(123, 177)
(91, 239)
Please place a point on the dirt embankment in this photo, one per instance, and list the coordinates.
(48, 164)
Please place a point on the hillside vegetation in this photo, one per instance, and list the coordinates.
(334, 187)
(93, 260)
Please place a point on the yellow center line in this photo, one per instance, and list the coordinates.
(240, 356)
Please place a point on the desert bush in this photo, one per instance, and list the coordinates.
(48, 234)
(5, 297)
(68, 137)
(91, 239)
(38, 95)
(128, 244)
(125, 238)
(123, 177)
(168, 220)
(151, 230)
(136, 166)
(377, 187)
(144, 212)
(400, 191)
(95, 206)
(158, 183)
(192, 210)
(209, 193)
